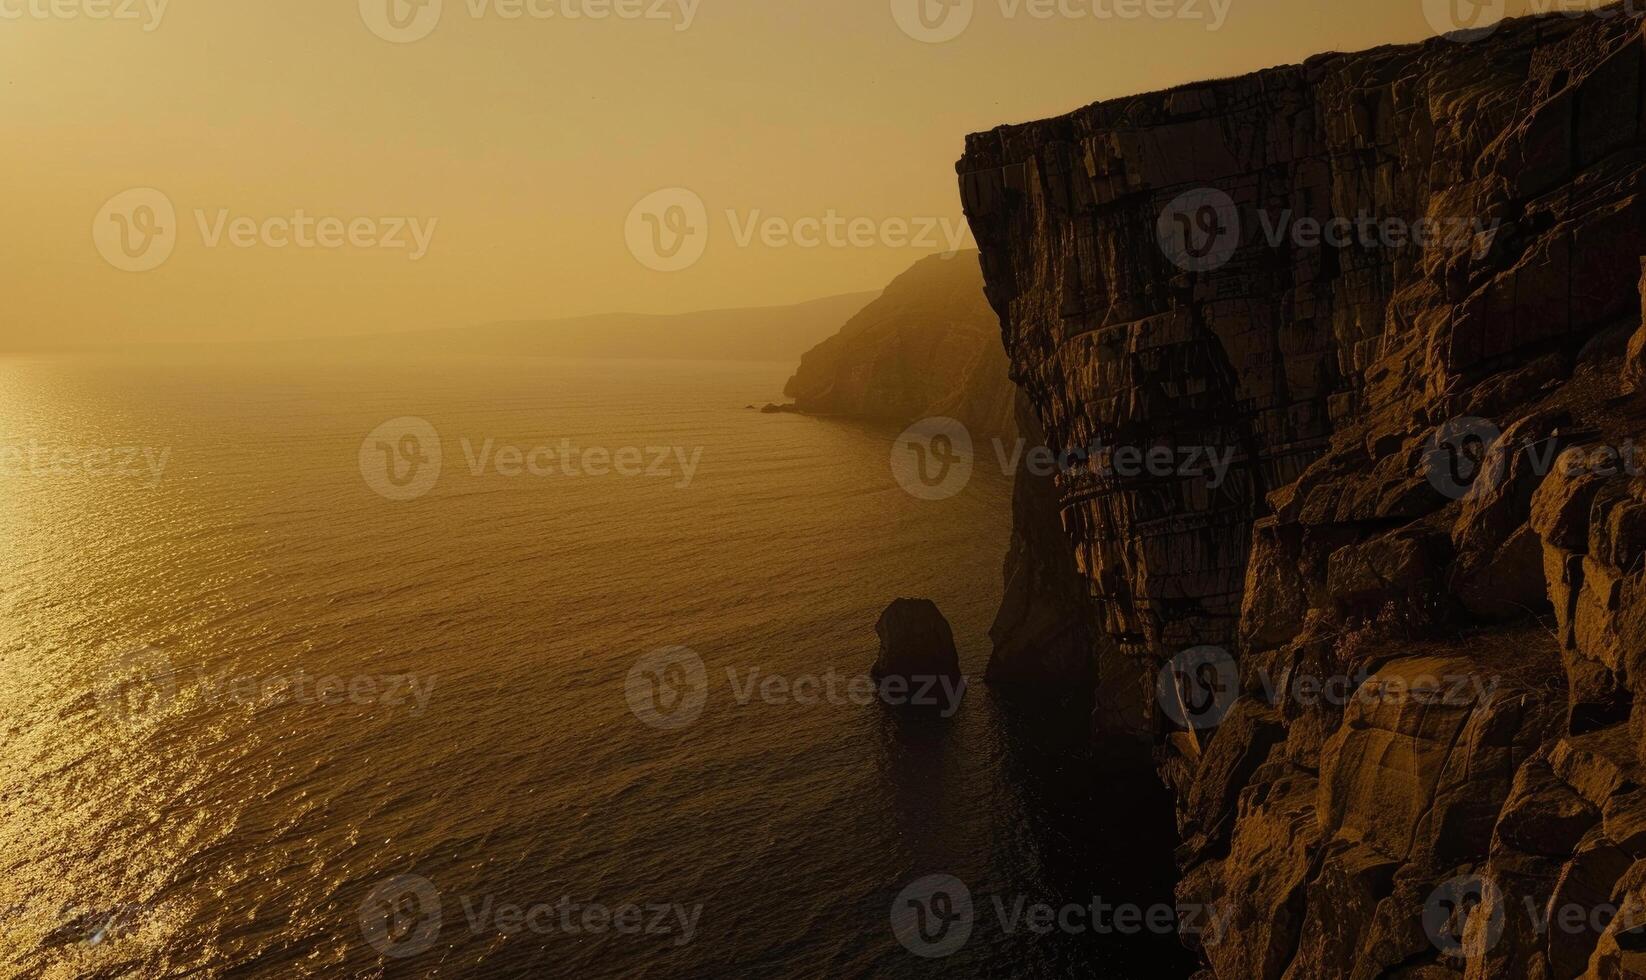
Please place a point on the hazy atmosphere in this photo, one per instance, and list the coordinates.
(516, 139)
(1020, 489)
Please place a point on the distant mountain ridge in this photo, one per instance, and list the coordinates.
(766, 333)
(928, 346)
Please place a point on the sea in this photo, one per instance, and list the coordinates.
(478, 666)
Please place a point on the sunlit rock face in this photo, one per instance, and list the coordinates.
(1357, 344)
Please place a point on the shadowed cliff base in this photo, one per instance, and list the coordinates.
(930, 347)
(1391, 650)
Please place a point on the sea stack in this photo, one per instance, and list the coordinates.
(916, 646)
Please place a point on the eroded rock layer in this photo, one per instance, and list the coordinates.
(1426, 419)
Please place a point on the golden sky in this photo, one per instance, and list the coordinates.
(500, 155)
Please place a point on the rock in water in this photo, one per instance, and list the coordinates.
(917, 650)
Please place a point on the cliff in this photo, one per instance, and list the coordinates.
(927, 346)
(930, 346)
(1377, 317)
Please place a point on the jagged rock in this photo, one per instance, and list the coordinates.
(1634, 362)
(1585, 885)
(1241, 744)
(916, 643)
(1543, 815)
(1560, 507)
(1348, 530)
(1625, 821)
(1620, 953)
(1341, 904)
(1047, 644)
(1256, 891)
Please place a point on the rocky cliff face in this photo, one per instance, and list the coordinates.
(928, 346)
(1353, 346)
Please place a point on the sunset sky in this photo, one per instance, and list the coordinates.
(519, 146)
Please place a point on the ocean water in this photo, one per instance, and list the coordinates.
(260, 718)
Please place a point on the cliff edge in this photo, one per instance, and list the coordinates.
(1353, 348)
